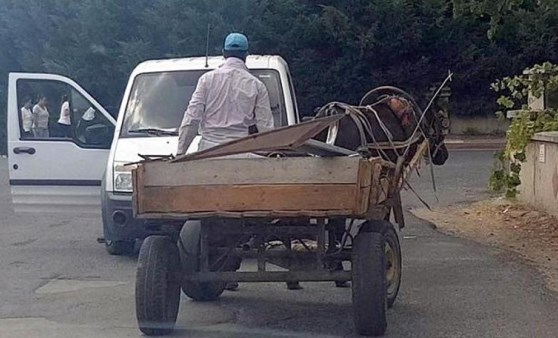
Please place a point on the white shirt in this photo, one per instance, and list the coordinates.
(26, 119)
(40, 117)
(65, 114)
(226, 102)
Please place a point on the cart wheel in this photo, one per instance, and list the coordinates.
(393, 257)
(157, 286)
(393, 264)
(189, 248)
(369, 284)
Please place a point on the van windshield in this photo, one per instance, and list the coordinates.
(158, 101)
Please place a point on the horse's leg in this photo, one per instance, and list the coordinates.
(439, 154)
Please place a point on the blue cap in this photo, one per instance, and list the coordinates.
(236, 42)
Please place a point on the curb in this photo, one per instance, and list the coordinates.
(476, 144)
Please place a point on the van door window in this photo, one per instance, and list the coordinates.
(54, 111)
(39, 105)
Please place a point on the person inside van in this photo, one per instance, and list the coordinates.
(40, 118)
(64, 122)
(27, 118)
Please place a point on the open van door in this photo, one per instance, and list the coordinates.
(56, 167)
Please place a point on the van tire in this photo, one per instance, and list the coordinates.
(120, 248)
(189, 249)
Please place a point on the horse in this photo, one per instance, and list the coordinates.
(387, 123)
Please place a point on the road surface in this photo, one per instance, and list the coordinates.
(56, 281)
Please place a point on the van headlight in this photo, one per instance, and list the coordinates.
(123, 177)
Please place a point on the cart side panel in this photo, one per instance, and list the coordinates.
(249, 187)
(189, 199)
(302, 170)
(364, 184)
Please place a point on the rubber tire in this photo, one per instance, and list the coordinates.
(189, 248)
(388, 230)
(391, 237)
(157, 286)
(120, 248)
(369, 284)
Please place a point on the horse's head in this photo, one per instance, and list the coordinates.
(430, 124)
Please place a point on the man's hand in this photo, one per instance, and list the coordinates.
(186, 135)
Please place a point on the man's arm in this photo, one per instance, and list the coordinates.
(192, 117)
(262, 112)
(186, 135)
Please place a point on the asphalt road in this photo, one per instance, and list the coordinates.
(56, 281)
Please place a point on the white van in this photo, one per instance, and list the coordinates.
(85, 173)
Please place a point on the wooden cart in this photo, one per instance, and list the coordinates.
(310, 216)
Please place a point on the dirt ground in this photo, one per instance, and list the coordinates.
(511, 226)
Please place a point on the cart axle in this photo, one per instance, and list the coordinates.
(271, 276)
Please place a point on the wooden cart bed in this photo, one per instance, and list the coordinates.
(261, 187)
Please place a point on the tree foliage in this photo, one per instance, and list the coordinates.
(336, 49)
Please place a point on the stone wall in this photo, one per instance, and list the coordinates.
(539, 174)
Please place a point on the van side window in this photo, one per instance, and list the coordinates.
(293, 96)
(272, 82)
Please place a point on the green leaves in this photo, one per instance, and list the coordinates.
(506, 102)
(534, 82)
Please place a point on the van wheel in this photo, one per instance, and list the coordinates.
(189, 249)
(120, 248)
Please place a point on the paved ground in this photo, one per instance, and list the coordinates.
(56, 281)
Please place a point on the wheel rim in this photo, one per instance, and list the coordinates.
(392, 268)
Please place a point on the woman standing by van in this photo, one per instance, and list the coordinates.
(40, 118)
(64, 122)
(27, 118)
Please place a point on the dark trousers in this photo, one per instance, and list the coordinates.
(65, 130)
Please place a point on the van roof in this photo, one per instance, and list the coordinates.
(199, 63)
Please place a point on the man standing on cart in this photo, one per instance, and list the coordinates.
(228, 103)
